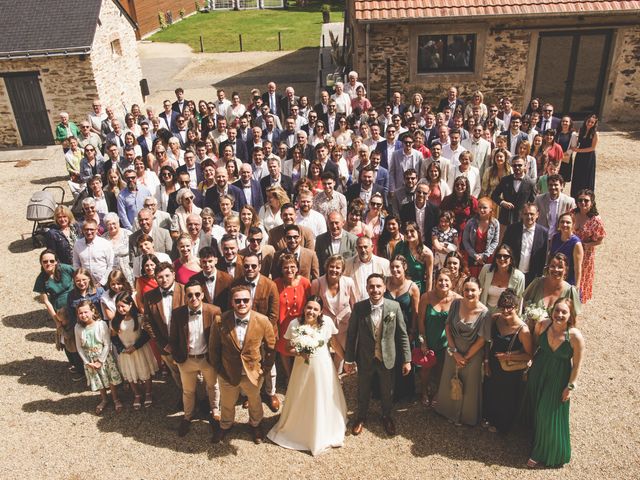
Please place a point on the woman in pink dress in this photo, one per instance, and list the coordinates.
(294, 290)
(590, 229)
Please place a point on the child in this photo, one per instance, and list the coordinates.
(444, 238)
(135, 359)
(551, 168)
(116, 283)
(94, 347)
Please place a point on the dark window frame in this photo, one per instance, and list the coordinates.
(422, 69)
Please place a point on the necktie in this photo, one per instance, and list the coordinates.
(241, 322)
(194, 313)
(167, 293)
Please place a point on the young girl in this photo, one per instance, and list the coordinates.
(444, 238)
(94, 347)
(116, 283)
(551, 168)
(135, 359)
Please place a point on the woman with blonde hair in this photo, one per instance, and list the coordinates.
(270, 212)
(477, 99)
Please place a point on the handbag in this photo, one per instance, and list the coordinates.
(511, 365)
(424, 360)
(456, 387)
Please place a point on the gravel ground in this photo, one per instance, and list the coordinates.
(50, 429)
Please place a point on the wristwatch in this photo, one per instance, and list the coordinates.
(571, 386)
(451, 351)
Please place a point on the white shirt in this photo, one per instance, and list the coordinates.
(473, 175)
(480, 150)
(420, 213)
(335, 244)
(221, 107)
(553, 213)
(314, 221)
(514, 142)
(516, 184)
(452, 154)
(343, 103)
(506, 118)
(360, 277)
(259, 171)
(197, 344)
(525, 248)
(241, 331)
(167, 306)
(365, 195)
(193, 179)
(97, 257)
(247, 193)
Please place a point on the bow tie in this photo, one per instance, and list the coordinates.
(241, 322)
(375, 308)
(194, 313)
(212, 278)
(250, 284)
(167, 293)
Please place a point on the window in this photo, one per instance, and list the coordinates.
(116, 48)
(446, 53)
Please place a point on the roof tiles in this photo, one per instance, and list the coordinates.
(366, 10)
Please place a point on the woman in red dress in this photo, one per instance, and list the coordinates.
(461, 203)
(187, 265)
(294, 290)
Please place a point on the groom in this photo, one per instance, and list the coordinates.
(375, 328)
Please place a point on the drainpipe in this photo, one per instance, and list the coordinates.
(366, 53)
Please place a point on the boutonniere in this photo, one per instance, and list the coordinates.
(390, 318)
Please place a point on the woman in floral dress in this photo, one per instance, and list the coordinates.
(590, 229)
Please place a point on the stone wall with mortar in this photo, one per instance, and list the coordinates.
(67, 84)
(625, 92)
(115, 60)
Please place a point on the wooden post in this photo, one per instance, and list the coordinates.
(240, 37)
(388, 80)
(201, 45)
(279, 40)
(321, 60)
(323, 41)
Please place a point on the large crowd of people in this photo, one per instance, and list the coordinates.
(431, 250)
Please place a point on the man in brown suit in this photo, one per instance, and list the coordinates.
(189, 339)
(266, 301)
(265, 253)
(307, 259)
(215, 283)
(231, 262)
(241, 349)
(158, 308)
(276, 234)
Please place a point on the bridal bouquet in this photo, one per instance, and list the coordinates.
(534, 314)
(306, 340)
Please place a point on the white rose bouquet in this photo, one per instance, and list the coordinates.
(306, 340)
(534, 314)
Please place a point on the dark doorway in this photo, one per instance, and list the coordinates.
(570, 70)
(29, 109)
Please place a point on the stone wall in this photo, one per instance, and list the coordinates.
(67, 85)
(117, 74)
(625, 102)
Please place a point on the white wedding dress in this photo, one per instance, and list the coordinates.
(314, 416)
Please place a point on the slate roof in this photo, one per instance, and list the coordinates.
(45, 27)
(366, 10)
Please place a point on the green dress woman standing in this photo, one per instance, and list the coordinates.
(552, 380)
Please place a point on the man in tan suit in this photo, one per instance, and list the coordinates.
(276, 234)
(307, 259)
(241, 349)
(158, 308)
(265, 253)
(364, 264)
(265, 300)
(216, 283)
(189, 339)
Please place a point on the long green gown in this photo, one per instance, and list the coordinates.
(544, 409)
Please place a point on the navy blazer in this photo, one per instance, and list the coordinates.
(382, 179)
(522, 137)
(354, 192)
(382, 148)
(256, 193)
(513, 238)
(175, 106)
(274, 139)
(173, 120)
(285, 182)
(199, 174)
(172, 203)
(445, 103)
(505, 191)
(408, 214)
(240, 150)
(212, 198)
(146, 148)
(265, 99)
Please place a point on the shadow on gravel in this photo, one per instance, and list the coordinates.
(51, 374)
(49, 180)
(21, 246)
(42, 337)
(29, 320)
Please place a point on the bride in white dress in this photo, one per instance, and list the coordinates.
(314, 416)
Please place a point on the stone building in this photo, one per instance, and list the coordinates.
(580, 55)
(60, 58)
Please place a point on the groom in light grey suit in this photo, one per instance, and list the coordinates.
(376, 330)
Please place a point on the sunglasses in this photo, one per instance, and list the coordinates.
(584, 200)
(254, 240)
(129, 179)
(292, 237)
(48, 261)
(167, 174)
(502, 256)
(376, 204)
(240, 301)
(194, 295)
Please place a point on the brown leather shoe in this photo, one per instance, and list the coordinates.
(258, 434)
(219, 434)
(389, 426)
(357, 427)
(184, 427)
(273, 402)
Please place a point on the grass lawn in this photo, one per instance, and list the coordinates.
(300, 27)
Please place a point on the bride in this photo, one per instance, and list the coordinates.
(315, 411)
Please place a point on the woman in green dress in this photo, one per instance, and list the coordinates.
(432, 317)
(552, 380)
(419, 257)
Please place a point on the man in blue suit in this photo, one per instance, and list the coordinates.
(250, 187)
(365, 187)
(212, 198)
(388, 146)
(381, 173)
(169, 116)
(239, 147)
(146, 139)
(270, 133)
(514, 134)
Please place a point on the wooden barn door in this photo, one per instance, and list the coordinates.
(29, 109)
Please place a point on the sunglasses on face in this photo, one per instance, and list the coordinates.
(48, 261)
(240, 301)
(194, 295)
(503, 256)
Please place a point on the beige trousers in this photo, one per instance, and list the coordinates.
(189, 376)
(229, 396)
